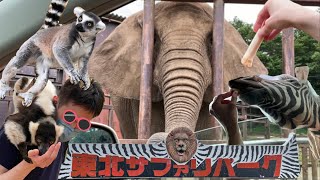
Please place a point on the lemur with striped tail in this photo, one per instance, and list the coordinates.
(70, 45)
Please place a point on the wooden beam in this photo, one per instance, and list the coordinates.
(288, 58)
(302, 2)
(146, 70)
(288, 51)
(217, 57)
(305, 164)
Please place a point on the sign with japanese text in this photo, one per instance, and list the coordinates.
(85, 160)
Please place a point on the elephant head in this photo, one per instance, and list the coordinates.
(182, 76)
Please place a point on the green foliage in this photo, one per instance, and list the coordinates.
(307, 51)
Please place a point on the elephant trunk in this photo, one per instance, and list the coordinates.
(183, 83)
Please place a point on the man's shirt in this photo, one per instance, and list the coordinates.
(10, 157)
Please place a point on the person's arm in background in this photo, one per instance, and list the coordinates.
(227, 114)
(21, 170)
(280, 14)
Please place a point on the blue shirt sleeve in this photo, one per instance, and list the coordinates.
(9, 154)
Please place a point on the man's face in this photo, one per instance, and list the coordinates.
(79, 110)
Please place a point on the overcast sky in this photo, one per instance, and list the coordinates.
(245, 12)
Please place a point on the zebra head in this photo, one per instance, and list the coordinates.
(284, 99)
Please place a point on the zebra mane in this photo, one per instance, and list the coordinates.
(313, 92)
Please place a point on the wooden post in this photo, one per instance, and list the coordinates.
(217, 56)
(304, 168)
(244, 125)
(146, 70)
(288, 58)
(288, 51)
(267, 127)
(314, 165)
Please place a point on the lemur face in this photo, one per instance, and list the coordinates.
(45, 133)
(88, 22)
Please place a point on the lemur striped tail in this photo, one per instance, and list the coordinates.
(54, 12)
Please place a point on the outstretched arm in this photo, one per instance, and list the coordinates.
(62, 55)
(227, 114)
(280, 14)
(21, 170)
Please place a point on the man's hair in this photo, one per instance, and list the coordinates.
(92, 99)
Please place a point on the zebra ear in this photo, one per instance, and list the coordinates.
(302, 72)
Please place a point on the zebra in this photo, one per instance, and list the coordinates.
(289, 168)
(285, 100)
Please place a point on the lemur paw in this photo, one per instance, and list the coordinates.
(87, 84)
(28, 98)
(74, 77)
(3, 89)
(2, 94)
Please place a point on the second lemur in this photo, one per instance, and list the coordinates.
(70, 45)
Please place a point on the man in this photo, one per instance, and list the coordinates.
(85, 103)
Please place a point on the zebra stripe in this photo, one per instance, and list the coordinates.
(293, 103)
(290, 167)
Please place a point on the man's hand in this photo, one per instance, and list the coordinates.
(227, 114)
(46, 159)
(225, 110)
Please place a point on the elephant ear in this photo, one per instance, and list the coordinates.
(116, 62)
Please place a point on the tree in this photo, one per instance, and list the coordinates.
(307, 51)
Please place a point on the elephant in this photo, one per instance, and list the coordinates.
(182, 70)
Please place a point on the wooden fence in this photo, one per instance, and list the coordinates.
(217, 58)
(217, 64)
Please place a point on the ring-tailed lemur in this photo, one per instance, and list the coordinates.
(34, 125)
(70, 45)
